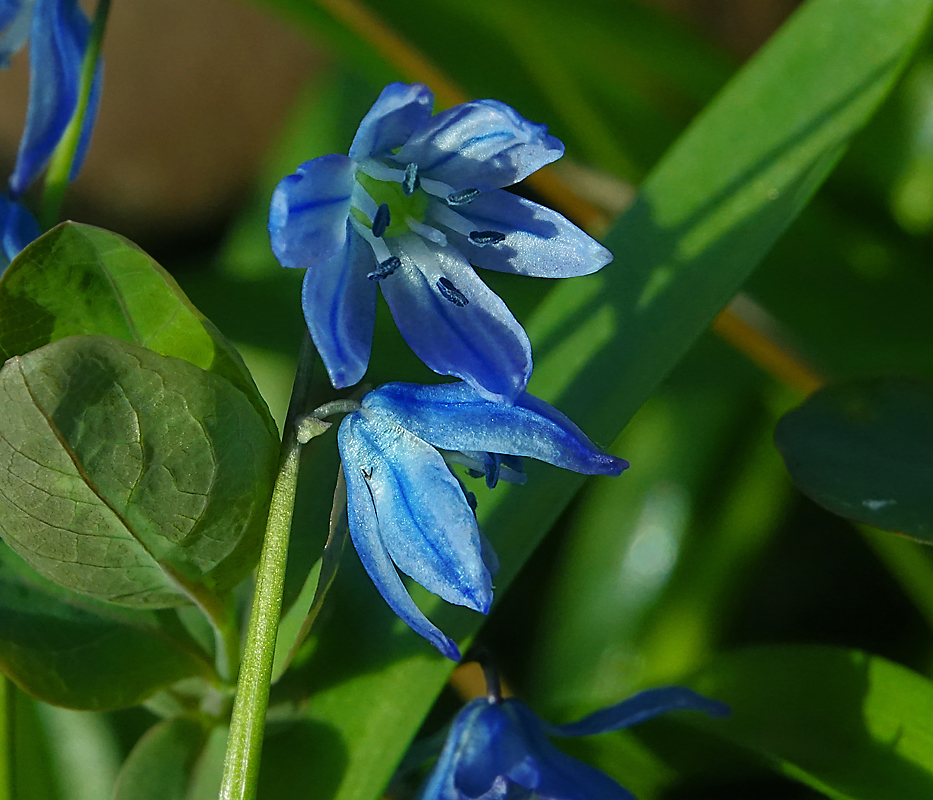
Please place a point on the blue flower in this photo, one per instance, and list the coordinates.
(58, 31)
(18, 227)
(418, 200)
(499, 749)
(406, 509)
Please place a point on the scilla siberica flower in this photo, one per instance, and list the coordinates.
(406, 509)
(418, 200)
(58, 33)
(499, 749)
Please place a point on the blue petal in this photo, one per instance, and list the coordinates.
(493, 748)
(15, 21)
(640, 707)
(453, 417)
(478, 340)
(481, 145)
(58, 41)
(552, 774)
(538, 241)
(87, 125)
(358, 459)
(425, 522)
(18, 227)
(396, 114)
(309, 210)
(439, 785)
(339, 305)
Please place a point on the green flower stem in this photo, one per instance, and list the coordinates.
(7, 737)
(59, 171)
(244, 744)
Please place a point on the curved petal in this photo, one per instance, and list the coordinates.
(439, 785)
(15, 20)
(425, 522)
(555, 775)
(309, 211)
(538, 241)
(87, 124)
(339, 305)
(18, 227)
(484, 144)
(452, 416)
(397, 112)
(453, 321)
(494, 748)
(365, 534)
(58, 40)
(640, 707)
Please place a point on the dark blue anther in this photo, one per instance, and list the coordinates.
(385, 269)
(382, 220)
(486, 237)
(491, 464)
(451, 293)
(463, 197)
(411, 181)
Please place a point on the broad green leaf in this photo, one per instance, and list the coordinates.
(864, 450)
(162, 762)
(78, 279)
(853, 726)
(72, 651)
(129, 476)
(706, 216)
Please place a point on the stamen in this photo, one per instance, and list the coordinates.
(492, 461)
(439, 189)
(432, 234)
(385, 269)
(451, 293)
(382, 220)
(410, 182)
(446, 216)
(361, 201)
(381, 172)
(380, 250)
(463, 197)
(486, 237)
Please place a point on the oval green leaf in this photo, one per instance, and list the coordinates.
(853, 726)
(160, 765)
(78, 279)
(128, 476)
(864, 450)
(71, 651)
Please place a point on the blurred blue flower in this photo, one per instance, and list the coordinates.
(418, 200)
(499, 749)
(58, 31)
(407, 509)
(18, 227)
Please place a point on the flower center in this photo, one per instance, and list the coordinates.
(402, 208)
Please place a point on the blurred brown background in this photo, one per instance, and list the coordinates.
(196, 90)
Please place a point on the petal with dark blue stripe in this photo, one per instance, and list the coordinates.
(454, 417)
(455, 324)
(359, 460)
(484, 144)
(538, 241)
(396, 114)
(339, 305)
(308, 215)
(425, 522)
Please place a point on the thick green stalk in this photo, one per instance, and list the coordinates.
(244, 744)
(59, 171)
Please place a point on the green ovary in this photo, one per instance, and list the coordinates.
(400, 206)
